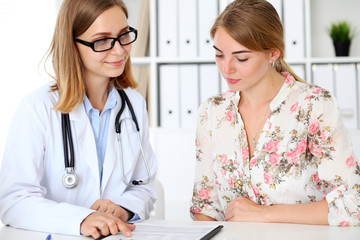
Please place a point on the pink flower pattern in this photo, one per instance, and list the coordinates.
(298, 157)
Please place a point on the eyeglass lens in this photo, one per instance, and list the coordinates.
(108, 43)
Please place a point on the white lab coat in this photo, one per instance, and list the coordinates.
(32, 195)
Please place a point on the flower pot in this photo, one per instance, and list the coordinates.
(342, 48)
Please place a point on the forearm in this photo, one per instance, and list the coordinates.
(307, 213)
(202, 217)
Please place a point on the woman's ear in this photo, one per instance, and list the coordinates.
(274, 55)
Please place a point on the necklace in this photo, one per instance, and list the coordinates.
(262, 120)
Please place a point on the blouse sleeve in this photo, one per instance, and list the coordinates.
(338, 168)
(205, 198)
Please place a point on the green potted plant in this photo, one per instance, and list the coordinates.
(341, 35)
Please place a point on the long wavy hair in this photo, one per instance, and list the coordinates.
(74, 18)
(256, 25)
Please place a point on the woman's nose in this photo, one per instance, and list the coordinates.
(228, 66)
(117, 49)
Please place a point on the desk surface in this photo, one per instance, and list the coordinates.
(231, 231)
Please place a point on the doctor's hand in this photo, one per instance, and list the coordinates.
(102, 224)
(107, 206)
(242, 209)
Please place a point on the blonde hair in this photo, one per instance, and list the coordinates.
(256, 25)
(74, 18)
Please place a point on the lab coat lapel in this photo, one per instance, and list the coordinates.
(84, 139)
(112, 151)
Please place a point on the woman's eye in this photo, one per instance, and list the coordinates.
(218, 56)
(242, 59)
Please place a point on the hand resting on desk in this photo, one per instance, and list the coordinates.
(110, 218)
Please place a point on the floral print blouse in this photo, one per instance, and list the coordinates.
(304, 154)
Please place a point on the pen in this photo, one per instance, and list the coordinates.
(48, 237)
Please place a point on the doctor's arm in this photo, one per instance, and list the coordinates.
(23, 202)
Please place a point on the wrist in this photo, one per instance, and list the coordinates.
(129, 214)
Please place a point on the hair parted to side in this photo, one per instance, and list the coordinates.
(74, 18)
(256, 25)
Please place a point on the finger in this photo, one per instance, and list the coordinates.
(93, 232)
(95, 205)
(103, 227)
(113, 226)
(125, 228)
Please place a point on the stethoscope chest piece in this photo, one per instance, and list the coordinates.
(70, 179)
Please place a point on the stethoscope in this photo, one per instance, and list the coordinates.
(70, 179)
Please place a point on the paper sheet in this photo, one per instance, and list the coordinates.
(166, 232)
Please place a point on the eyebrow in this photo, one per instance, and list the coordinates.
(109, 33)
(236, 52)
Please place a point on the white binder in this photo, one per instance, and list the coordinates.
(189, 95)
(209, 81)
(223, 4)
(207, 13)
(322, 75)
(278, 6)
(167, 28)
(187, 28)
(294, 29)
(299, 69)
(345, 82)
(169, 96)
(223, 84)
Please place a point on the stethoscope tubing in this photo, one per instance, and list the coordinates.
(70, 179)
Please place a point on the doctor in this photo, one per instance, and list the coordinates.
(65, 169)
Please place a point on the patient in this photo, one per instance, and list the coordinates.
(273, 148)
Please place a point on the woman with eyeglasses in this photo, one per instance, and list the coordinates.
(78, 158)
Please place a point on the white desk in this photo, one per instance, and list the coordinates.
(231, 231)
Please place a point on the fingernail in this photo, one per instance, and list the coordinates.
(128, 233)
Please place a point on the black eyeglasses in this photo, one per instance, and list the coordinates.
(106, 44)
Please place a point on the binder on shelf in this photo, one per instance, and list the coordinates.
(299, 69)
(169, 96)
(207, 13)
(322, 75)
(345, 82)
(189, 95)
(209, 81)
(167, 28)
(278, 6)
(223, 4)
(294, 29)
(223, 84)
(187, 28)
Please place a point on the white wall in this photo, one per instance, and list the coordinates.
(325, 12)
(26, 29)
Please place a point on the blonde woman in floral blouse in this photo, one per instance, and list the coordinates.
(273, 148)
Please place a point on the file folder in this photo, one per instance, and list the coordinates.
(278, 6)
(322, 75)
(189, 95)
(167, 28)
(345, 82)
(207, 13)
(299, 69)
(223, 4)
(294, 29)
(169, 95)
(209, 81)
(187, 28)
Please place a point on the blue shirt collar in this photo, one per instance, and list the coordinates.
(110, 102)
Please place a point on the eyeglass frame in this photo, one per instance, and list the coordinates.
(92, 44)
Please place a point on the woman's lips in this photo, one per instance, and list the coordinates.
(232, 81)
(115, 64)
